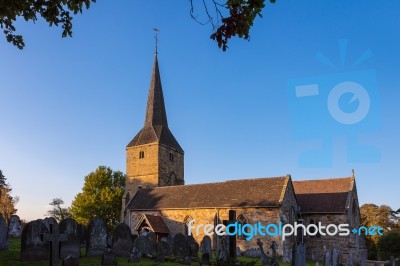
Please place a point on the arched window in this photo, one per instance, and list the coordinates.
(242, 220)
(171, 157)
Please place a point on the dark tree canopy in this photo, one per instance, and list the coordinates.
(54, 12)
(7, 202)
(57, 212)
(229, 18)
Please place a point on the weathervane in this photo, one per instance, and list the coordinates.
(156, 37)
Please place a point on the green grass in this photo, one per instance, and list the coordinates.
(11, 257)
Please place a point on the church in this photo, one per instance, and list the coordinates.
(157, 199)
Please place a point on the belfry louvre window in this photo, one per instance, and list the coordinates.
(171, 157)
(141, 154)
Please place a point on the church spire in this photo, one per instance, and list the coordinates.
(155, 111)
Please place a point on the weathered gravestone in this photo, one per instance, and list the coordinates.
(163, 249)
(32, 245)
(205, 247)
(194, 246)
(143, 244)
(122, 240)
(264, 258)
(54, 238)
(327, 258)
(153, 241)
(108, 258)
(14, 226)
(223, 252)
(300, 259)
(335, 257)
(180, 246)
(70, 260)
(96, 239)
(135, 255)
(48, 221)
(72, 246)
(3, 233)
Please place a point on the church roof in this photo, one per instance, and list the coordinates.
(156, 125)
(323, 195)
(156, 223)
(259, 192)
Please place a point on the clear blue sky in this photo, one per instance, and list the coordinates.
(70, 105)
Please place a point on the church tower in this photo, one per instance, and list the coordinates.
(153, 158)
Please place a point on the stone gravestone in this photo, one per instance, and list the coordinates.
(205, 247)
(223, 252)
(3, 233)
(335, 257)
(70, 261)
(194, 246)
(264, 258)
(47, 221)
(72, 246)
(32, 245)
(327, 258)
(143, 244)
(96, 239)
(300, 255)
(54, 238)
(108, 258)
(180, 246)
(163, 249)
(14, 226)
(135, 255)
(153, 241)
(274, 259)
(122, 240)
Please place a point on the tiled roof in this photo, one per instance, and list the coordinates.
(259, 192)
(323, 195)
(156, 223)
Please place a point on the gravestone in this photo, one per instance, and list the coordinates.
(122, 240)
(108, 258)
(70, 260)
(194, 246)
(153, 241)
(205, 247)
(47, 221)
(180, 246)
(143, 244)
(32, 245)
(54, 238)
(335, 257)
(300, 255)
(14, 226)
(72, 246)
(274, 259)
(223, 253)
(135, 255)
(3, 233)
(96, 240)
(327, 258)
(163, 249)
(264, 258)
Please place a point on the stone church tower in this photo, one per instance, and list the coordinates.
(153, 158)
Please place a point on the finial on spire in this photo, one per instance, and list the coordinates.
(156, 37)
(352, 171)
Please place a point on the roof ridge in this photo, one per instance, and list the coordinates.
(322, 179)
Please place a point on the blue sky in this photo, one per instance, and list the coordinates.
(70, 105)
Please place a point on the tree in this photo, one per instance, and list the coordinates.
(7, 202)
(101, 196)
(389, 245)
(57, 212)
(232, 18)
(55, 12)
(372, 215)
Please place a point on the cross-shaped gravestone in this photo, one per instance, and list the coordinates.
(232, 238)
(55, 238)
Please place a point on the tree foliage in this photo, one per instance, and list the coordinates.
(57, 212)
(54, 12)
(389, 245)
(373, 215)
(101, 196)
(7, 202)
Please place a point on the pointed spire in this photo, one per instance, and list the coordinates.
(155, 112)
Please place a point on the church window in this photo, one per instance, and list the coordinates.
(292, 216)
(141, 154)
(171, 157)
(242, 220)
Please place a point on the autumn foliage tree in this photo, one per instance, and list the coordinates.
(7, 202)
(101, 196)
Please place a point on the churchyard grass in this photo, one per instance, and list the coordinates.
(11, 258)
